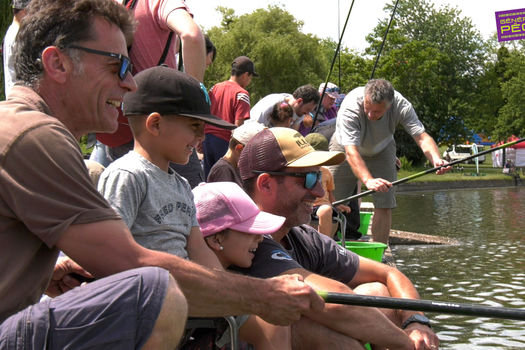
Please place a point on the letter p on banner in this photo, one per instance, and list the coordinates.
(511, 19)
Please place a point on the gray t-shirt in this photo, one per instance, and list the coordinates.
(353, 128)
(308, 249)
(263, 108)
(156, 205)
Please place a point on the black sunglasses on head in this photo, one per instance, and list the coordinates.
(125, 63)
(310, 178)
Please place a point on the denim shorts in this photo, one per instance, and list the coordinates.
(116, 312)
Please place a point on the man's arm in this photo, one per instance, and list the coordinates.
(362, 173)
(199, 252)
(107, 247)
(399, 286)
(431, 151)
(364, 324)
(193, 46)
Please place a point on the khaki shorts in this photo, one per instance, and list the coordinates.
(382, 165)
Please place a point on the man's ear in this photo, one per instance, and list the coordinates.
(153, 123)
(265, 184)
(57, 65)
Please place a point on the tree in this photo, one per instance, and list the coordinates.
(284, 57)
(433, 57)
(511, 116)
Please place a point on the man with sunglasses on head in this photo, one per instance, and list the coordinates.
(281, 173)
(73, 71)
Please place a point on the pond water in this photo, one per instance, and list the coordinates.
(487, 267)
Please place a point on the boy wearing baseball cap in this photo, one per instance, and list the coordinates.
(233, 227)
(167, 114)
(226, 167)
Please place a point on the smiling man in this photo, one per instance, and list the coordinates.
(73, 71)
(365, 128)
(281, 172)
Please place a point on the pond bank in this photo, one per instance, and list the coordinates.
(459, 184)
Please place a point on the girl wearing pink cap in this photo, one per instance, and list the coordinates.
(233, 226)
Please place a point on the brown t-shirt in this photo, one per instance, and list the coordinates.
(44, 188)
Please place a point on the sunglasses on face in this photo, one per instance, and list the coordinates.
(125, 66)
(310, 178)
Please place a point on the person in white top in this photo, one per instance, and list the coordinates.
(9, 44)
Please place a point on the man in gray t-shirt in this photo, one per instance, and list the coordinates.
(365, 128)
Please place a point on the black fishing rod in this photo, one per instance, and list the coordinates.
(332, 65)
(414, 176)
(384, 40)
(423, 305)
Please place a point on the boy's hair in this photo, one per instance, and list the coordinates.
(233, 143)
(61, 23)
(210, 47)
(281, 111)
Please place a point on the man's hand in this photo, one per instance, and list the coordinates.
(378, 184)
(61, 281)
(288, 298)
(441, 162)
(422, 336)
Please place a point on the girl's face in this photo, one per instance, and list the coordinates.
(239, 247)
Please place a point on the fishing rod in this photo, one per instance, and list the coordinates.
(332, 65)
(423, 305)
(384, 40)
(414, 176)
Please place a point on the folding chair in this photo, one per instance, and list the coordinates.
(193, 324)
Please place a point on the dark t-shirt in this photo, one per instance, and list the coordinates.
(44, 188)
(309, 250)
(224, 171)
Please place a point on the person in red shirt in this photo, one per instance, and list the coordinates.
(231, 102)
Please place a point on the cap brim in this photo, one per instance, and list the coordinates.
(211, 119)
(255, 74)
(261, 224)
(318, 158)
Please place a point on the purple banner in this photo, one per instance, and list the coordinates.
(511, 24)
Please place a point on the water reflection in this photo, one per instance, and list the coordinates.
(487, 268)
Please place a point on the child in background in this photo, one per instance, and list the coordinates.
(323, 205)
(167, 115)
(281, 115)
(233, 227)
(225, 169)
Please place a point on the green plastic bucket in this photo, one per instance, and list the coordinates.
(371, 250)
(365, 222)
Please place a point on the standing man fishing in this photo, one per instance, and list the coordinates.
(365, 128)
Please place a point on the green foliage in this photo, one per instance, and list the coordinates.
(284, 57)
(511, 116)
(406, 164)
(433, 57)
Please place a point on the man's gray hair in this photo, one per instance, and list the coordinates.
(379, 90)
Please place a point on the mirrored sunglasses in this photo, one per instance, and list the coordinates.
(310, 178)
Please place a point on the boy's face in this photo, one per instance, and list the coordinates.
(179, 136)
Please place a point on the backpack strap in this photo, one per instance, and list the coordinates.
(130, 5)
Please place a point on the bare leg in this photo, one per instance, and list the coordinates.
(265, 336)
(308, 334)
(381, 224)
(169, 326)
(324, 212)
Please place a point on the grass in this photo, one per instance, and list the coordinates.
(460, 172)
